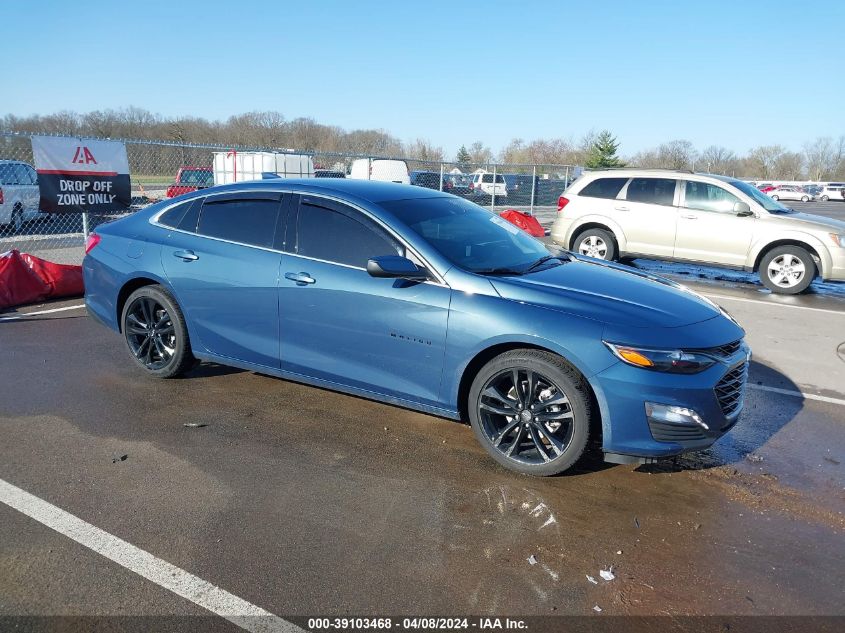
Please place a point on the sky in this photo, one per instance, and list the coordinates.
(739, 74)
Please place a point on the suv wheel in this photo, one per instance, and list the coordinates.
(787, 270)
(775, 197)
(155, 332)
(531, 411)
(17, 219)
(805, 198)
(596, 243)
(825, 198)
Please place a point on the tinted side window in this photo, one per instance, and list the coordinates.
(603, 188)
(487, 178)
(173, 216)
(336, 237)
(706, 197)
(651, 190)
(6, 177)
(245, 221)
(21, 175)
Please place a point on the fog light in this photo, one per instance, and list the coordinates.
(670, 414)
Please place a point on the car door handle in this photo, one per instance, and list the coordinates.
(186, 256)
(300, 278)
(622, 208)
(689, 217)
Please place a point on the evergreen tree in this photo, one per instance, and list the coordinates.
(603, 152)
(463, 158)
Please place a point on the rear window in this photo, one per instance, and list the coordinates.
(489, 178)
(651, 190)
(603, 188)
(173, 216)
(245, 221)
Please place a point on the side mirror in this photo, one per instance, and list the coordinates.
(742, 209)
(395, 267)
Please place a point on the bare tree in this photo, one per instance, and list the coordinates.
(821, 157)
(480, 153)
(423, 150)
(718, 160)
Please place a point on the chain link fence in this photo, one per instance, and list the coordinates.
(160, 170)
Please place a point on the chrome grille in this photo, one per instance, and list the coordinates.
(730, 389)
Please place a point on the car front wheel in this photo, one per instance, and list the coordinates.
(775, 198)
(787, 270)
(531, 411)
(155, 332)
(825, 198)
(596, 243)
(805, 198)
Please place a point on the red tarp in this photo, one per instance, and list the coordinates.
(525, 221)
(27, 279)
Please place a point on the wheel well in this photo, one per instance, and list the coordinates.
(804, 245)
(485, 356)
(593, 225)
(128, 289)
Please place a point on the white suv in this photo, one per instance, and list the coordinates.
(486, 184)
(679, 215)
(832, 191)
(18, 194)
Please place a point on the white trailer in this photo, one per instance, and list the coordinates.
(234, 166)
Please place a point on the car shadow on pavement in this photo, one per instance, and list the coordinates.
(763, 415)
(209, 370)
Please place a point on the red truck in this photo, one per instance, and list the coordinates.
(190, 178)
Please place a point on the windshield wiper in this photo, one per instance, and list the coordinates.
(547, 258)
(498, 271)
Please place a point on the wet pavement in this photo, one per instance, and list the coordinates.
(307, 502)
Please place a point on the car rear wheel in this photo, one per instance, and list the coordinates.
(787, 270)
(596, 243)
(825, 198)
(805, 198)
(17, 219)
(775, 198)
(155, 332)
(531, 411)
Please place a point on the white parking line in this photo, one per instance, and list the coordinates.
(798, 394)
(200, 592)
(772, 303)
(23, 315)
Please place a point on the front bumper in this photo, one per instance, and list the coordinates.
(837, 269)
(716, 395)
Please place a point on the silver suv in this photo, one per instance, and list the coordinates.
(681, 215)
(18, 195)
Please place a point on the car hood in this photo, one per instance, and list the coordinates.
(808, 221)
(609, 293)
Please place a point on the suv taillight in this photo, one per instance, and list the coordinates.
(91, 242)
(1, 195)
(562, 202)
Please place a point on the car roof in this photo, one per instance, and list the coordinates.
(372, 190)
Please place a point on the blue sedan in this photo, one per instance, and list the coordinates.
(424, 300)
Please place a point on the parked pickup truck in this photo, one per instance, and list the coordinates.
(190, 179)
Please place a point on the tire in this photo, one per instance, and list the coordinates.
(522, 442)
(825, 198)
(16, 221)
(163, 351)
(596, 243)
(779, 270)
(775, 198)
(805, 198)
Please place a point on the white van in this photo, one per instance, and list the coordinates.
(385, 169)
(239, 166)
(18, 194)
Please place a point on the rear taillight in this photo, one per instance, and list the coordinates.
(562, 202)
(1, 195)
(91, 242)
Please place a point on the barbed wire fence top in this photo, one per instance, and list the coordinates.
(161, 170)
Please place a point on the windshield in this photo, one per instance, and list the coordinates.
(467, 235)
(769, 204)
(199, 177)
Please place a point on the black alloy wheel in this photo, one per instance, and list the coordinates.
(531, 411)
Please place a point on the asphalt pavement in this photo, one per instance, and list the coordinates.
(302, 502)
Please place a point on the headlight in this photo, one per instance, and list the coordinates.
(838, 239)
(675, 361)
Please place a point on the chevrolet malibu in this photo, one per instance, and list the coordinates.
(427, 301)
